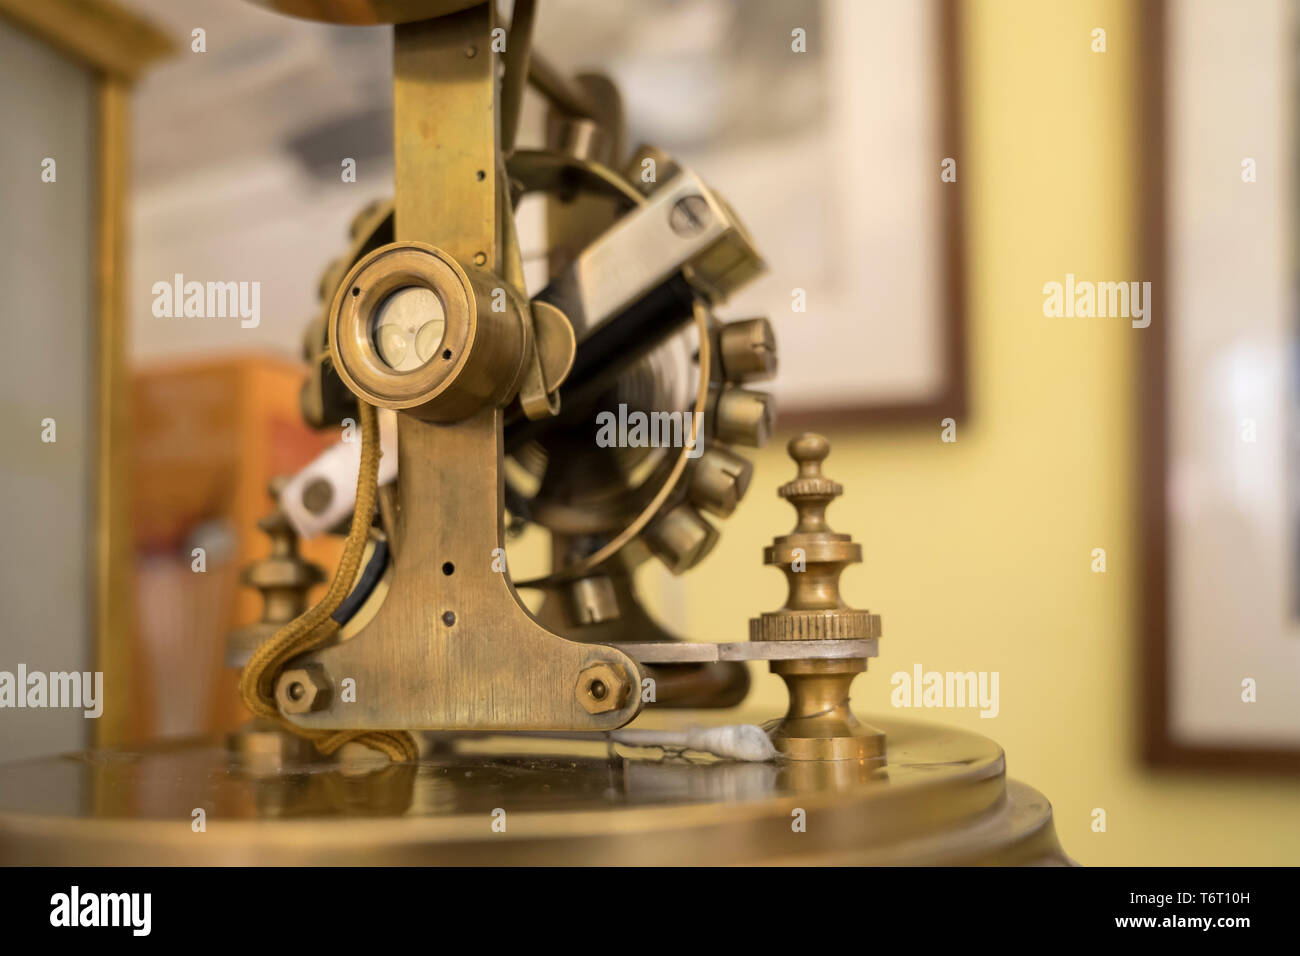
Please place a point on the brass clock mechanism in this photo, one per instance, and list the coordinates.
(603, 403)
(481, 402)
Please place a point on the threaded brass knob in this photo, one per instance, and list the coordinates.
(819, 724)
(811, 557)
(283, 577)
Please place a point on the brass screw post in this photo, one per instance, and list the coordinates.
(283, 577)
(819, 724)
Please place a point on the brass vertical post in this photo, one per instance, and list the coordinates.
(819, 724)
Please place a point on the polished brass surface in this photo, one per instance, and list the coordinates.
(819, 724)
(747, 350)
(742, 416)
(555, 342)
(450, 646)
(593, 600)
(683, 225)
(451, 234)
(518, 52)
(718, 480)
(607, 609)
(681, 538)
(602, 688)
(445, 147)
(940, 797)
(596, 135)
(457, 650)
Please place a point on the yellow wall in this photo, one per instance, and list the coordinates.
(978, 553)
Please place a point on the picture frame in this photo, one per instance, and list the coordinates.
(1214, 512)
(853, 199)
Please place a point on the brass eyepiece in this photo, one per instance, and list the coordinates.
(412, 329)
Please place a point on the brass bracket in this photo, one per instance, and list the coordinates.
(452, 647)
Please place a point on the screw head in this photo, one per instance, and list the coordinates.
(690, 215)
(318, 494)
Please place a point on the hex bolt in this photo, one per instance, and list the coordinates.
(301, 690)
(602, 688)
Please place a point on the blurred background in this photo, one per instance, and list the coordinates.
(923, 306)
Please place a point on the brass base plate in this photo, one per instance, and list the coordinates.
(940, 797)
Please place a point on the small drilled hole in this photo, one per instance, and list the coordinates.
(481, 175)
(446, 353)
(448, 568)
(356, 291)
(449, 618)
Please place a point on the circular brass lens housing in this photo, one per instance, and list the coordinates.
(410, 329)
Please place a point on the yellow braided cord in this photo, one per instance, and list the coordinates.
(314, 627)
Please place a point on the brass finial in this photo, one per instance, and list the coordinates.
(283, 577)
(820, 724)
(810, 492)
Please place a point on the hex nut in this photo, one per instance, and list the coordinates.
(301, 690)
(602, 688)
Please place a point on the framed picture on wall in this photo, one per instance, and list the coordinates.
(1219, 381)
(853, 198)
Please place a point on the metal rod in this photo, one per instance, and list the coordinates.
(516, 78)
(559, 89)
